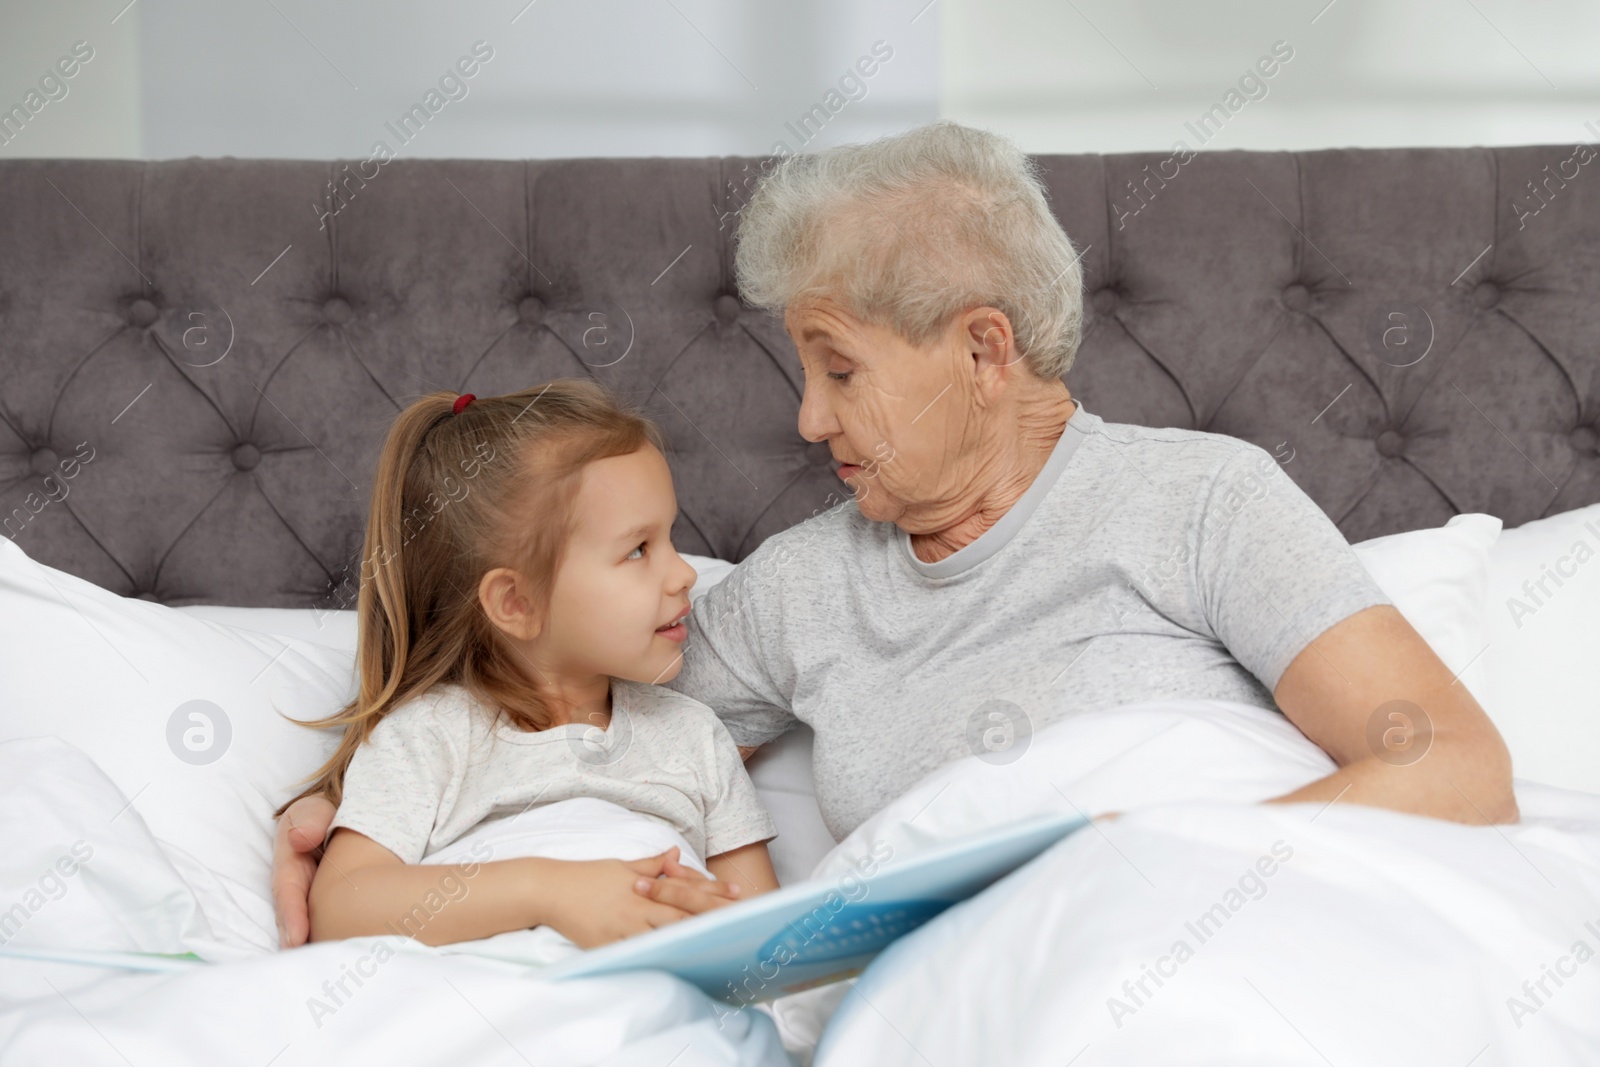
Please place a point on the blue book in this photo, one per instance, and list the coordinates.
(825, 929)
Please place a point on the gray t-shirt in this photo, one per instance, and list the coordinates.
(1140, 564)
(438, 765)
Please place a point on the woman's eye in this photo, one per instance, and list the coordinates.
(839, 375)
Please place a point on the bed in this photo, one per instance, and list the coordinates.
(198, 359)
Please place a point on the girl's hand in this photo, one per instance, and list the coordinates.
(737, 875)
(686, 888)
(692, 882)
(599, 903)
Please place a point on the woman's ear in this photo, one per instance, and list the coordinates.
(989, 338)
(505, 601)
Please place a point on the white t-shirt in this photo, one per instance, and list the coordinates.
(433, 769)
(1141, 563)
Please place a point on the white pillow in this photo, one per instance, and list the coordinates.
(63, 833)
(708, 572)
(329, 628)
(180, 713)
(1543, 663)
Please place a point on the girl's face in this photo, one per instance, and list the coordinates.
(620, 598)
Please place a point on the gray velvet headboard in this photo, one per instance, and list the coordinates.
(1413, 332)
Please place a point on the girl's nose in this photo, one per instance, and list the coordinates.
(683, 575)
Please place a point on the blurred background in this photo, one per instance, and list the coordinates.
(570, 78)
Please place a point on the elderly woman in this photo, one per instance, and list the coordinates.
(1009, 558)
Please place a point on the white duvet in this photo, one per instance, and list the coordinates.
(1204, 928)
(81, 872)
(1199, 928)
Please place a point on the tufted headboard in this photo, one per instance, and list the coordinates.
(213, 348)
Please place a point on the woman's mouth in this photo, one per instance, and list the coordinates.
(848, 469)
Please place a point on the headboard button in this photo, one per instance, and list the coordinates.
(531, 310)
(336, 309)
(246, 456)
(1487, 294)
(728, 308)
(1296, 297)
(1584, 439)
(142, 313)
(1390, 444)
(43, 461)
(147, 595)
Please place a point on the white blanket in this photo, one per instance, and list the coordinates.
(1203, 928)
(81, 872)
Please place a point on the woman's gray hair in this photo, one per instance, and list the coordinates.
(910, 230)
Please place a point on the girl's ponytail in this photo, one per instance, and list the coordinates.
(455, 495)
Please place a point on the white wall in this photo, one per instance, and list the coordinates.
(98, 115)
(310, 80)
(302, 79)
(1125, 75)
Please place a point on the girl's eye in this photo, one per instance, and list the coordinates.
(637, 553)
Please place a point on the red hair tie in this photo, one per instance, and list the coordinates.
(462, 401)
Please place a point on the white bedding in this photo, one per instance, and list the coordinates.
(84, 873)
(414, 1007)
(1368, 937)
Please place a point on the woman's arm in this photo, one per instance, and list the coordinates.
(362, 888)
(1406, 734)
(296, 847)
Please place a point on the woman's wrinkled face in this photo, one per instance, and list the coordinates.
(897, 418)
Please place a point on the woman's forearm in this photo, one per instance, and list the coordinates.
(435, 904)
(1466, 780)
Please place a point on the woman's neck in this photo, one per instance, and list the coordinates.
(1003, 472)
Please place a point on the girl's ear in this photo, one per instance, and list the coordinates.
(504, 601)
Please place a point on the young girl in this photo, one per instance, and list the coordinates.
(519, 599)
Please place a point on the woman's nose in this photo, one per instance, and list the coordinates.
(816, 421)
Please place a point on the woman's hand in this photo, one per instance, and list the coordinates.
(600, 900)
(296, 848)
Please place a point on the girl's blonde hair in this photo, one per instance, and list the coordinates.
(456, 495)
